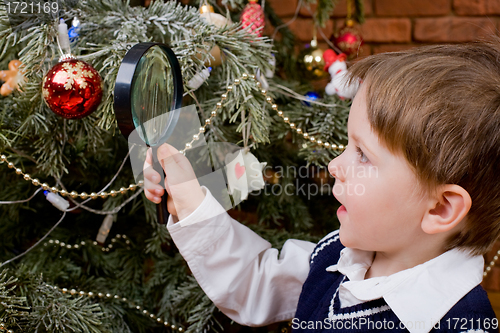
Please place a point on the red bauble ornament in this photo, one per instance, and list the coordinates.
(72, 89)
(253, 15)
(348, 39)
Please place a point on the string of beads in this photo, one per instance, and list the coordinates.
(208, 121)
(491, 264)
(109, 247)
(73, 194)
(145, 312)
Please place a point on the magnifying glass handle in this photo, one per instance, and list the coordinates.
(161, 208)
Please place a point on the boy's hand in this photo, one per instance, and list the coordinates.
(184, 191)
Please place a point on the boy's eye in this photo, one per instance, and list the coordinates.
(362, 156)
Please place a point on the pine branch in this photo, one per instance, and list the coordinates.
(12, 308)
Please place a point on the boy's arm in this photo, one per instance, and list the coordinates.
(236, 268)
(239, 271)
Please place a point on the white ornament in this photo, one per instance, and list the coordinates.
(218, 20)
(244, 173)
(198, 79)
(270, 72)
(262, 79)
(338, 71)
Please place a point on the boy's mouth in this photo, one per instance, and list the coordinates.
(341, 210)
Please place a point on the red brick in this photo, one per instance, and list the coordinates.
(365, 51)
(386, 30)
(476, 7)
(339, 11)
(322, 44)
(391, 48)
(304, 11)
(303, 29)
(452, 29)
(412, 7)
(283, 7)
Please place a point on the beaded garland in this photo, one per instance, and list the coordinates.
(91, 294)
(109, 247)
(208, 121)
(491, 264)
(133, 187)
(145, 312)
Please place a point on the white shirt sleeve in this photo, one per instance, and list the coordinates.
(252, 283)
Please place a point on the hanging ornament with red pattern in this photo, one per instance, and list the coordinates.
(72, 88)
(253, 16)
(348, 39)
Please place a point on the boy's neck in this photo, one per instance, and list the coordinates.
(385, 264)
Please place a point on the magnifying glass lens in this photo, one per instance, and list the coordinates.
(152, 95)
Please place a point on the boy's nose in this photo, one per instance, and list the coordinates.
(335, 169)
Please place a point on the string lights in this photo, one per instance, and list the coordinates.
(202, 129)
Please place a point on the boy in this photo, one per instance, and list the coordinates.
(408, 254)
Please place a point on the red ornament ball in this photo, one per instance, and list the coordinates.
(348, 39)
(72, 89)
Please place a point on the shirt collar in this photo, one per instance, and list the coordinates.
(431, 288)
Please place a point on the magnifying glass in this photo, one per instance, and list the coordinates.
(148, 99)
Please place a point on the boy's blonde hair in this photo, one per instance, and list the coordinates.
(439, 106)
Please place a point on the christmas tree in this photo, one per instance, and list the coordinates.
(96, 260)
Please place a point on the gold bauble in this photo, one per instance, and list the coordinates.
(206, 8)
(217, 54)
(312, 63)
(220, 21)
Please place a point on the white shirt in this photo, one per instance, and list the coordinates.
(255, 285)
(422, 294)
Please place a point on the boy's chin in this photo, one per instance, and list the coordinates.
(351, 241)
(346, 239)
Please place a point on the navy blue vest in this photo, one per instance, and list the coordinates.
(319, 304)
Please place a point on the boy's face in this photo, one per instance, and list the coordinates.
(381, 210)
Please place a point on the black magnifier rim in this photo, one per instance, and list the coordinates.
(123, 85)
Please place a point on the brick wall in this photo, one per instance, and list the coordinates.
(393, 25)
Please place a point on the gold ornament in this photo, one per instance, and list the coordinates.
(206, 8)
(207, 13)
(311, 61)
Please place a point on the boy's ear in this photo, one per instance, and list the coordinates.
(450, 205)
